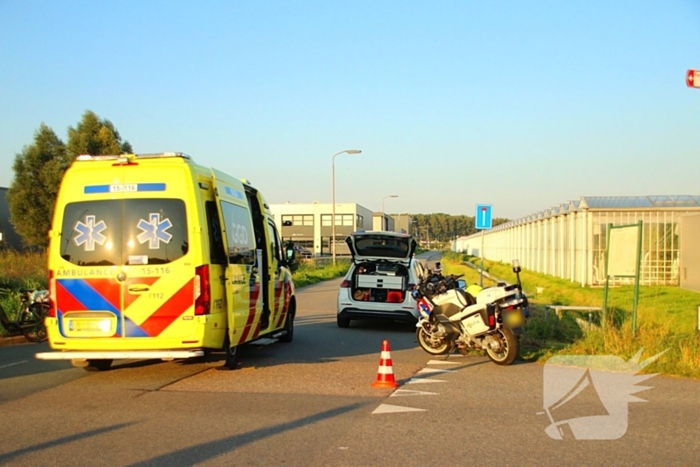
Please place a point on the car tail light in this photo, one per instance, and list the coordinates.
(345, 284)
(202, 293)
(52, 294)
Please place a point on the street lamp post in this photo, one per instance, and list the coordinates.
(347, 151)
(385, 225)
(426, 229)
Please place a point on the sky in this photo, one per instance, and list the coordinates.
(523, 105)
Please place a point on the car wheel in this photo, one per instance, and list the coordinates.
(343, 322)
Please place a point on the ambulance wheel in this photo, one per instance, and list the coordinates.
(233, 355)
(289, 324)
(98, 365)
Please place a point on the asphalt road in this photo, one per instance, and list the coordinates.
(309, 403)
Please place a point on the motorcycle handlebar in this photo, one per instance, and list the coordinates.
(436, 283)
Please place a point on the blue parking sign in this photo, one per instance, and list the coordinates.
(482, 220)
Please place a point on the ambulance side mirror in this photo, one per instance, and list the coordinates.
(290, 254)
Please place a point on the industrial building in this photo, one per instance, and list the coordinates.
(569, 240)
(309, 225)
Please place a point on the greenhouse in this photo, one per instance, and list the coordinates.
(569, 240)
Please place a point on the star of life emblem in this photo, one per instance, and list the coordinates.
(154, 231)
(90, 233)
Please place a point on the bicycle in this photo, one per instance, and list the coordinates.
(34, 307)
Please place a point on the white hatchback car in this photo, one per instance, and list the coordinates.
(381, 278)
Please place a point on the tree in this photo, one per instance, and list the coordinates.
(39, 170)
(32, 193)
(95, 136)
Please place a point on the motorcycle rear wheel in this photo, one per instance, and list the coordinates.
(423, 338)
(32, 323)
(36, 333)
(510, 347)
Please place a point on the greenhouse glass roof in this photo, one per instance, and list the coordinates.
(607, 202)
(616, 202)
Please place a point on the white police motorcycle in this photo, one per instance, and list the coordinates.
(455, 319)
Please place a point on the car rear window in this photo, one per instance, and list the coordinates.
(124, 232)
(387, 247)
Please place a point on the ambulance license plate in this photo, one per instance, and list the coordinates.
(90, 325)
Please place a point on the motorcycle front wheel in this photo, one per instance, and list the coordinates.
(509, 348)
(433, 348)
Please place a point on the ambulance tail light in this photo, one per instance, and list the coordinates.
(52, 294)
(202, 291)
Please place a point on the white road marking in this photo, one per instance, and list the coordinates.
(13, 364)
(425, 380)
(386, 408)
(442, 362)
(408, 392)
(432, 371)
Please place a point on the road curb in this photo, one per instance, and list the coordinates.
(7, 341)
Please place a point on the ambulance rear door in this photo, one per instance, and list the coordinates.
(89, 258)
(158, 263)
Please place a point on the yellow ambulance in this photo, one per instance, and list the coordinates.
(154, 256)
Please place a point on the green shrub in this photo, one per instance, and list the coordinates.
(25, 270)
(317, 270)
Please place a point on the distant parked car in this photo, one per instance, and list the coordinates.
(303, 252)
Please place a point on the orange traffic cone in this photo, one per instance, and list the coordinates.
(385, 374)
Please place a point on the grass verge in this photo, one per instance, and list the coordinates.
(666, 319)
(313, 271)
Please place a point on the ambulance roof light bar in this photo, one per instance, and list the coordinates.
(163, 154)
(111, 157)
(88, 157)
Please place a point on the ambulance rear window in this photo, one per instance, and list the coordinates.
(124, 232)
